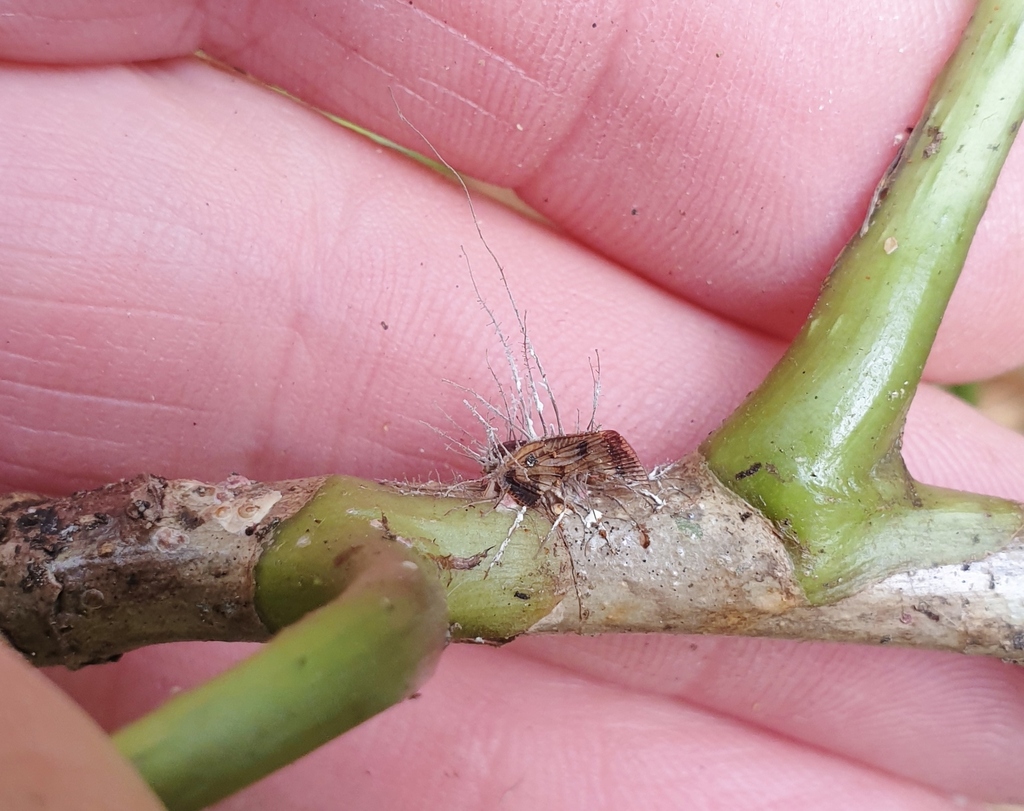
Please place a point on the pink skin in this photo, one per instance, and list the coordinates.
(196, 272)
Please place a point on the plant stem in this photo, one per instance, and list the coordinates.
(711, 564)
(328, 672)
(454, 540)
(817, 445)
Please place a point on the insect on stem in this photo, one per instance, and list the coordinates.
(545, 469)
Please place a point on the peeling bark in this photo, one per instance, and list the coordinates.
(715, 565)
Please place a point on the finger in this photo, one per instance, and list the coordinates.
(947, 721)
(220, 282)
(492, 729)
(56, 32)
(726, 153)
(53, 755)
(195, 300)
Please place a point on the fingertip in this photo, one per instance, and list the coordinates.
(54, 755)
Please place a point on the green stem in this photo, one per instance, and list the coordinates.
(331, 670)
(816, 446)
(454, 540)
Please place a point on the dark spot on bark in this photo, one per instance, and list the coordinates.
(750, 471)
(100, 519)
(264, 529)
(965, 567)
(345, 555)
(137, 509)
(188, 519)
(924, 609)
(35, 577)
(49, 521)
(1018, 641)
(745, 516)
(45, 521)
(5, 524)
(51, 548)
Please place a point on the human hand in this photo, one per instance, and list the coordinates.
(199, 272)
(52, 755)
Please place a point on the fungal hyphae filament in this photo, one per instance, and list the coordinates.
(538, 465)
